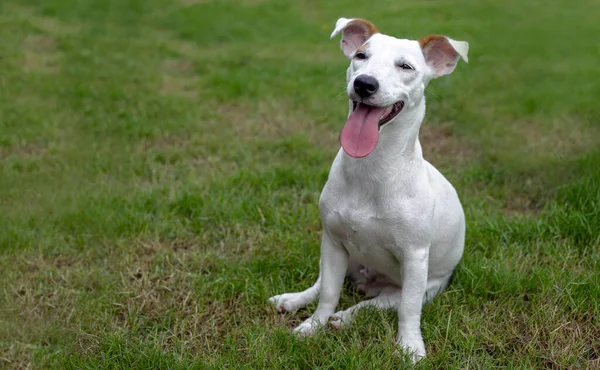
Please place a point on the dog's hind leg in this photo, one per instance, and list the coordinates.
(290, 302)
(435, 286)
(388, 298)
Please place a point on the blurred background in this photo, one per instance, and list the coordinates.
(161, 163)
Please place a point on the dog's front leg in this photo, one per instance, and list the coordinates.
(334, 263)
(414, 285)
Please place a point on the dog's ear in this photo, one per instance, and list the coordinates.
(355, 33)
(442, 53)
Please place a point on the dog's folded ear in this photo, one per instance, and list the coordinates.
(355, 33)
(442, 53)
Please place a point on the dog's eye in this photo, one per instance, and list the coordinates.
(360, 55)
(406, 66)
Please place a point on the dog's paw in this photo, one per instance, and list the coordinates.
(339, 320)
(308, 327)
(414, 347)
(277, 302)
(287, 302)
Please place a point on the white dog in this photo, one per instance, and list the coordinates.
(390, 219)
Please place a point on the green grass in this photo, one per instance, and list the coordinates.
(161, 163)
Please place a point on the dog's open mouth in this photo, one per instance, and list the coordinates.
(361, 132)
(389, 113)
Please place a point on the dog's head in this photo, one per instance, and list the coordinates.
(385, 75)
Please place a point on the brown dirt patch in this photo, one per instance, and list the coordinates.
(46, 24)
(560, 137)
(24, 151)
(441, 145)
(521, 205)
(193, 2)
(239, 2)
(40, 54)
(274, 120)
(178, 78)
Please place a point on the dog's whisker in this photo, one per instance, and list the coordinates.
(340, 94)
(432, 93)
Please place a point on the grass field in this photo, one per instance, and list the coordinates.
(161, 163)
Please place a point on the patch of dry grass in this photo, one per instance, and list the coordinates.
(179, 78)
(40, 54)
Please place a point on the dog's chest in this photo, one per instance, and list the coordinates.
(365, 234)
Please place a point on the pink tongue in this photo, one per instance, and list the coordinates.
(361, 132)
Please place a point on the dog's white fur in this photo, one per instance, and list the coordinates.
(390, 214)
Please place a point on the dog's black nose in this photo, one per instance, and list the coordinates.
(365, 85)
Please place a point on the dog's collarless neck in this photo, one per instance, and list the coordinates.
(399, 139)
